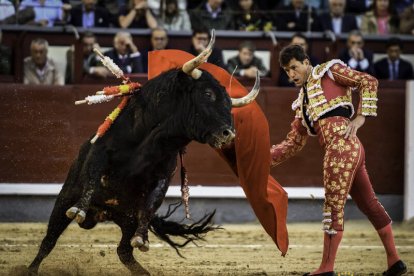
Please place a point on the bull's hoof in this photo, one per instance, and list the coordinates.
(138, 242)
(80, 216)
(77, 214)
(71, 212)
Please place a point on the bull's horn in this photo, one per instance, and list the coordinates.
(249, 97)
(190, 67)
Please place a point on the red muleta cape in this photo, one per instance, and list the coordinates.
(249, 157)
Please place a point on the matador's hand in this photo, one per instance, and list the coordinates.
(353, 126)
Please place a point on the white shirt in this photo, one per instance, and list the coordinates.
(6, 9)
(337, 24)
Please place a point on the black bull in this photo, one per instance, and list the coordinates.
(124, 176)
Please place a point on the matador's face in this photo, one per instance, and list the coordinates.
(298, 71)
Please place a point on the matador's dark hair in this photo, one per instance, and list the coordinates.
(292, 52)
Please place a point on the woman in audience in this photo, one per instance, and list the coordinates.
(249, 18)
(171, 18)
(382, 19)
(137, 15)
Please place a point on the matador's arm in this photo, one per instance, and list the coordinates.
(366, 84)
(294, 142)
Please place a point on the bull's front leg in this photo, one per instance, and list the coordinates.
(90, 177)
(146, 214)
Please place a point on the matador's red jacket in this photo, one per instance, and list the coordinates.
(249, 157)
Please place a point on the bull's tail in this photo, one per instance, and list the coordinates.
(164, 229)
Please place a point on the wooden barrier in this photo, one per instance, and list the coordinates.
(41, 131)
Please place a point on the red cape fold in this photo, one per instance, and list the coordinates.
(249, 156)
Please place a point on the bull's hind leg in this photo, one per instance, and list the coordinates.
(58, 222)
(128, 225)
(154, 201)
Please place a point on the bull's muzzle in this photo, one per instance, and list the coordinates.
(224, 138)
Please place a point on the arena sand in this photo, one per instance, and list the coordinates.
(243, 249)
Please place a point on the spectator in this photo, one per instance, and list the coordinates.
(89, 15)
(157, 5)
(295, 18)
(172, 18)
(39, 68)
(336, 20)
(301, 40)
(6, 9)
(199, 42)
(382, 19)
(125, 54)
(159, 41)
(355, 55)
(91, 63)
(137, 15)
(407, 21)
(47, 12)
(249, 18)
(393, 67)
(401, 5)
(5, 58)
(246, 64)
(356, 7)
(212, 14)
(114, 8)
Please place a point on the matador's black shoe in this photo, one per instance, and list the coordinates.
(397, 269)
(329, 273)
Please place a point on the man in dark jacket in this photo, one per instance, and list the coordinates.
(246, 62)
(393, 67)
(212, 14)
(355, 55)
(336, 20)
(89, 15)
(199, 41)
(294, 18)
(125, 54)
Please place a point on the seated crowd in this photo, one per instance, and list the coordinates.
(355, 18)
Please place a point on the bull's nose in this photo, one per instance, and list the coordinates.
(229, 134)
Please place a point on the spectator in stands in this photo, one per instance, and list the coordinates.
(47, 12)
(125, 54)
(172, 18)
(114, 8)
(212, 14)
(355, 55)
(401, 5)
(5, 58)
(357, 7)
(393, 67)
(159, 41)
(246, 64)
(336, 20)
(301, 40)
(157, 6)
(89, 15)
(137, 15)
(39, 68)
(382, 19)
(407, 21)
(199, 40)
(294, 18)
(91, 63)
(6, 9)
(249, 18)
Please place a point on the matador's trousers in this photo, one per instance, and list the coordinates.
(344, 173)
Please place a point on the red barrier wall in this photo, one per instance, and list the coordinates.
(41, 131)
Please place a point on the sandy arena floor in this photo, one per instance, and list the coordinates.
(236, 250)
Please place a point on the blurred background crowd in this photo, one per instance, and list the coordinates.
(353, 18)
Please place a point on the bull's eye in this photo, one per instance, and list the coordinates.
(210, 95)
